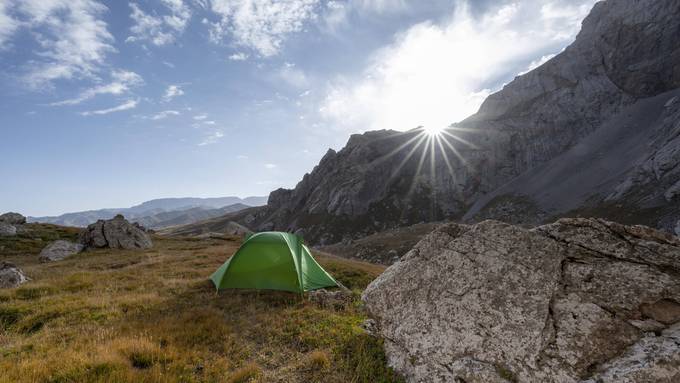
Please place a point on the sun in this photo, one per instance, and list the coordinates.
(432, 130)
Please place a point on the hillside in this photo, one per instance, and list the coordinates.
(149, 211)
(149, 316)
(593, 131)
(186, 216)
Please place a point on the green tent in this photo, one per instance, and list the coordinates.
(273, 261)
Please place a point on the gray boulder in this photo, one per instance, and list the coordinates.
(10, 275)
(7, 230)
(116, 233)
(59, 250)
(13, 218)
(580, 300)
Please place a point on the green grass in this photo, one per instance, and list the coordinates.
(35, 238)
(152, 316)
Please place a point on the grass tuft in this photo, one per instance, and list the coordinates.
(248, 373)
(319, 360)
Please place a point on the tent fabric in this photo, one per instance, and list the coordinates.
(272, 261)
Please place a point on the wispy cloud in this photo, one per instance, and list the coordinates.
(270, 166)
(293, 76)
(164, 114)
(129, 104)
(240, 56)
(157, 29)
(73, 40)
(261, 25)
(8, 25)
(212, 138)
(241, 157)
(171, 92)
(200, 117)
(122, 82)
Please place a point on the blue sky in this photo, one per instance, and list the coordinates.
(110, 103)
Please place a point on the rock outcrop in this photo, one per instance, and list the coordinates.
(10, 275)
(59, 250)
(13, 218)
(116, 233)
(579, 300)
(7, 230)
(10, 223)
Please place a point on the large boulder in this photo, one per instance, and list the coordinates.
(116, 233)
(10, 275)
(59, 250)
(577, 300)
(13, 218)
(7, 230)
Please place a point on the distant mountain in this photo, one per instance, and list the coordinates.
(592, 132)
(151, 211)
(187, 216)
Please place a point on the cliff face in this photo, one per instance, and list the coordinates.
(593, 131)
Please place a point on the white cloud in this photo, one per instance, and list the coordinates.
(165, 114)
(209, 123)
(122, 82)
(8, 25)
(261, 25)
(129, 104)
(159, 30)
(242, 157)
(212, 138)
(199, 117)
(270, 166)
(434, 75)
(295, 77)
(73, 40)
(239, 56)
(336, 13)
(171, 92)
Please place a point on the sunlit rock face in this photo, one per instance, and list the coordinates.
(578, 300)
(593, 131)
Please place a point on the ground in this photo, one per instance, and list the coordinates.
(152, 316)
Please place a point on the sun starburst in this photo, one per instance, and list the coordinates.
(437, 143)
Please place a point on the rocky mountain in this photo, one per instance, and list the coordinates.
(578, 300)
(159, 213)
(595, 131)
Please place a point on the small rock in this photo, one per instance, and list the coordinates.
(370, 326)
(59, 250)
(13, 218)
(330, 299)
(10, 275)
(7, 230)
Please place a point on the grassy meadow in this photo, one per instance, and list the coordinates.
(152, 316)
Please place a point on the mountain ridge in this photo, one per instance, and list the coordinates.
(146, 211)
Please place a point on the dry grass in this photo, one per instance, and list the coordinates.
(152, 316)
